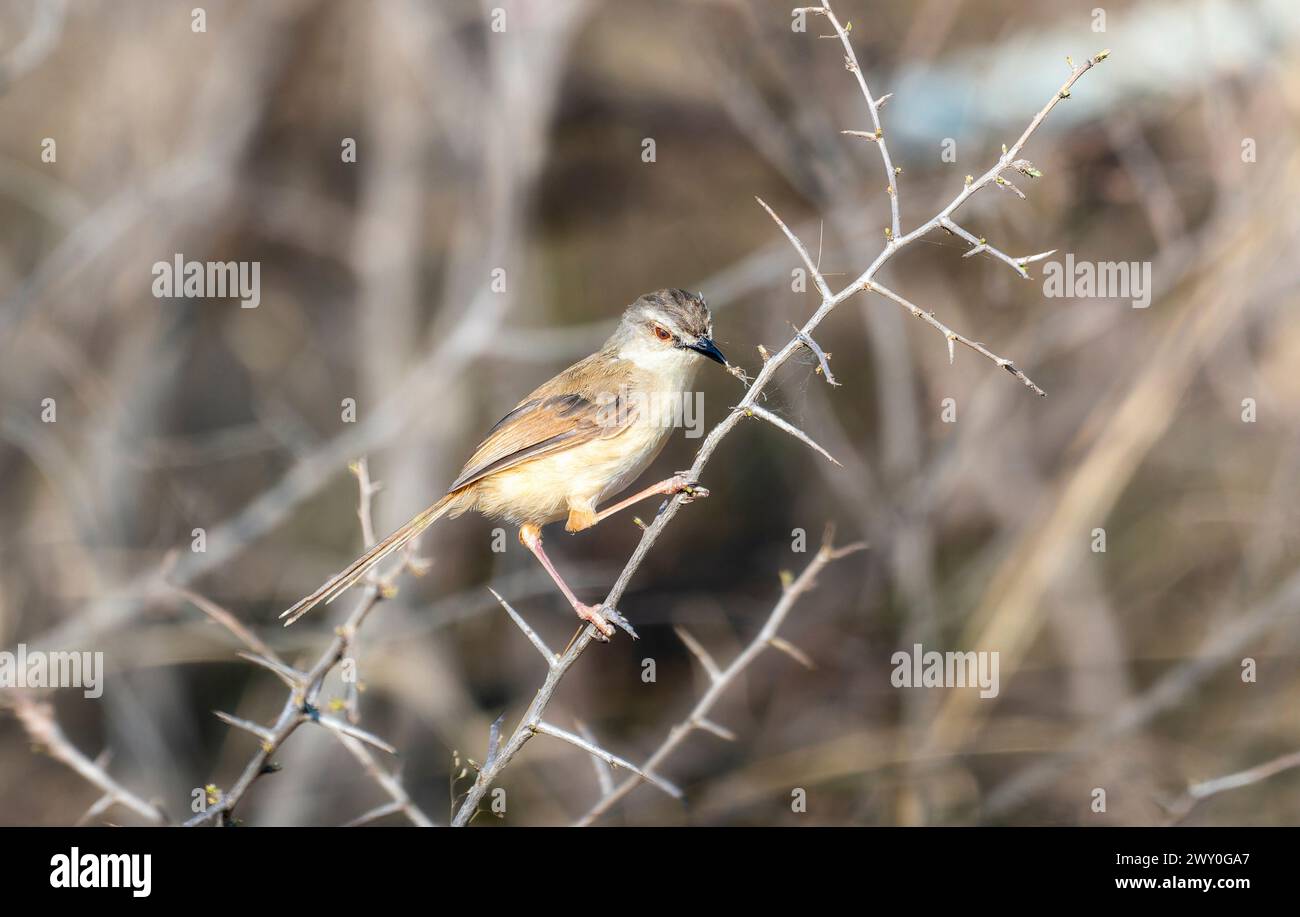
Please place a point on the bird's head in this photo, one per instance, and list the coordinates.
(668, 326)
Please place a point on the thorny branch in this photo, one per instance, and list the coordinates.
(302, 705)
(612, 760)
(895, 241)
(721, 680)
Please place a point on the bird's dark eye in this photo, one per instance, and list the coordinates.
(663, 333)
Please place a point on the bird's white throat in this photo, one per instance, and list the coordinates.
(673, 368)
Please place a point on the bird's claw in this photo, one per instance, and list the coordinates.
(604, 620)
(614, 616)
(687, 488)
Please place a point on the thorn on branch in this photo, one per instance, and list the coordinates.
(982, 245)
(531, 634)
(754, 410)
(952, 336)
(609, 758)
(355, 732)
(616, 617)
(798, 655)
(291, 677)
(1008, 186)
(227, 620)
(823, 358)
(799, 247)
(494, 741)
(264, 734)
(709, 726)
(604, 771)
(375, 814)
(700, 653)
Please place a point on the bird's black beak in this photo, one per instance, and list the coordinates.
(709, 349)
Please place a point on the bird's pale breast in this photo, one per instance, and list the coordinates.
(544, 489)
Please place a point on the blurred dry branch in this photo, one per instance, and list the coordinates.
(38, 719)
(303, 703)
(1180, 808)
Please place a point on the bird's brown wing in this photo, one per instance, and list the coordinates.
(575, 407)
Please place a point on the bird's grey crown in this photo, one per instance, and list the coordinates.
(687, 310)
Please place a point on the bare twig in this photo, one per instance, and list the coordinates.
(713, 728)
(823, 358)
(873, 109)
(228, 621)
(100, 806)
(799, 247)
(531, 634)
(781, 424)
(380, 811)
(698, 717)
(389, 783)
(247, 725)
(604, 770)
(785, 646)
(494, 739)
(706, 660)
(1197, 792)
(952, 337)
(343, 728)
(361, 470)
(301, 706)
(291, 677)
(609, 758)
(38, 719)
(981, 245)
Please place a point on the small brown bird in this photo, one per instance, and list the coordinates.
(584, 435)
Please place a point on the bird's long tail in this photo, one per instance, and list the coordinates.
(341, 582)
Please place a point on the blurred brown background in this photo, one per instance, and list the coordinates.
(522, 150)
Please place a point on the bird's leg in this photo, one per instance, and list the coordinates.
(677, 484)
(531, 537)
